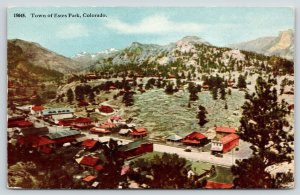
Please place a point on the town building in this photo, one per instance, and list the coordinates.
(225, 143)
(82, 123)
(139, 132)
(195, 139)
(135, 148)
(174, 138)
(37, 110)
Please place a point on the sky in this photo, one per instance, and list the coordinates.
(156, 25)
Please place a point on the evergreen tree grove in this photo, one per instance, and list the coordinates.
(265, 126)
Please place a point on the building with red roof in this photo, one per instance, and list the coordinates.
(99, 130)
(89, 178)
(205, 87)
(107, 125)
(225, 129)
(135, 148)
(24, 124)
(115, 119)
(139, 132)
(41, 144)
(99, 167)
(225, 143)
(66, 122)
(217, 185)
(89, 161)
(13, 121)
(37, 110)
(195, 138)
(82, 123)
(106, 109)
(89, 144)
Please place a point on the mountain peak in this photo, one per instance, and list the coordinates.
(193, 39)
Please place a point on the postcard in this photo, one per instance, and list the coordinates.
(150, 97)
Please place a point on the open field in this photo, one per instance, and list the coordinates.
(164, 114)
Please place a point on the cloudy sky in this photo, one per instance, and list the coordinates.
(122, 26)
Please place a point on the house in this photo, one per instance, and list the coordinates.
(99, 130)
(89, 178)
(222, 131)
(37, 110)
(66, 122)
(107, 125)
(82, 123)
(89, 144)
(139, 132)
(115, 119)
(58, 113)
(13, 121)
(195, 139)
(18, 121)
(64, 136)
(205, 87)
(91, 77)
(42, 144)
(135, 148)
(106, 109)
(23, 124)
(217, 185)
(225, 143)
(125, 132)
(34, 131)
(88, 162)
(174, 138)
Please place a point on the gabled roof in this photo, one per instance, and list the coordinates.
(89, 178)
(35, 141)
(217, 185)
(51, 111)
(99, 130)
(64, 133)
(229, 138)
(195, 135)
(89, 143)
(174, 137)
(35, 131)
(38, 108)
(225, 129)
(140, 129)
(89, 161)
(132, 145)
(82, 120)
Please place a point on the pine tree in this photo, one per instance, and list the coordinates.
(128, 98)
(91, 97)
(262, 124)
(70, 95)
(241, 82)
(193, 92)
(169, 88)
(215, 93)
(222, 93)
(202, 115)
